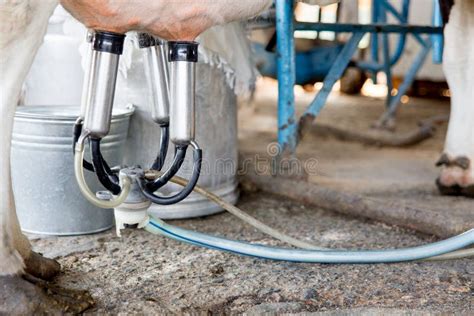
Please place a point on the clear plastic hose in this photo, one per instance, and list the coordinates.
(246, 217)
(458, 254)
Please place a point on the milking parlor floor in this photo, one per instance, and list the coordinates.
(146, 274)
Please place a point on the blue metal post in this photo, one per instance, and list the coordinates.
(383, 7)
(402, 19)
(387, 68)
(287, 129)
(437, 40)
(374, 38)
(408, 81)
(336, 71)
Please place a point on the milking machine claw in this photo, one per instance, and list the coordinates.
(133, 211)
(172, 102)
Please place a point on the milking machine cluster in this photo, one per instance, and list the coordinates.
(170, 73)
(131, 190)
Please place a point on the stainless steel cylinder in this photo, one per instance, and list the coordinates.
(157, 75)
(182, 97)
(100, 95)
(87, 72)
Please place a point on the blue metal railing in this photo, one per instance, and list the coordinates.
(288, 130)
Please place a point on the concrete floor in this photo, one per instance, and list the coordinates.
(401, 175)
(143, 273)
(146, 274)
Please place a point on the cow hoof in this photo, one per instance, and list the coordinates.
(20, 297)
(41, 267)
(456, 176)
(30, 296)
(448, 189)
(455, 190)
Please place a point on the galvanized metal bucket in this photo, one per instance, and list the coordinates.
(47, 197)
(216, 133)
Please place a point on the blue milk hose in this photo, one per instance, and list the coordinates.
(157, 226)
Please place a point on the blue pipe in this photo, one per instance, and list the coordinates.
(374, 43)
(387, 67)
(409, 78)
(367, 28)
(466, 239)
(287, 131)
(336, 71)
(403, 19)
(437, 40)
(379, 12)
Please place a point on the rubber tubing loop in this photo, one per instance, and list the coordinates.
(100, 170)
(178, 197)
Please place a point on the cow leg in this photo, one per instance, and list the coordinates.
(22, 25)
(457, 174)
